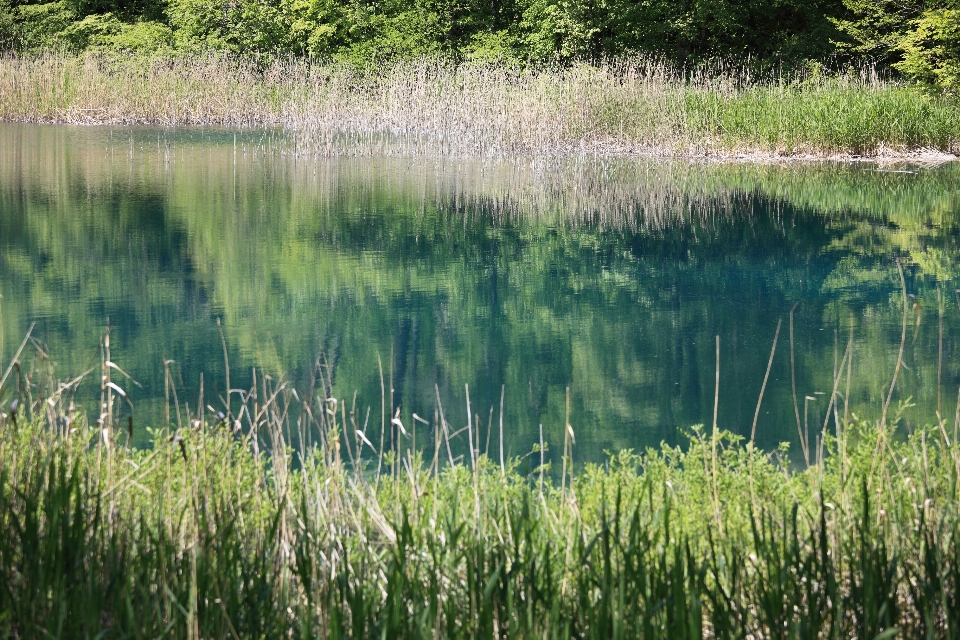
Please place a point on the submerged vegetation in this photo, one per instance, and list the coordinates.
(490, 108)
(222, 529)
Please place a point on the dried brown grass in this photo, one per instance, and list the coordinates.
(636, 106)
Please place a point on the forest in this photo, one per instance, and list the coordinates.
(914, 40)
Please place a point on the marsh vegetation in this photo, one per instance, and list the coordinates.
(274, 514)
(634, 106)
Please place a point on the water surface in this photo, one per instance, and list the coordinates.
(612, 277)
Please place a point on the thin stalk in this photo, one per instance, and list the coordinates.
(541, 461)
(567, 446)
(226, 364)
(17, 354)
(793, 386)
(956, 421)
(473, 460)
(354, 461)
(903, 342)
(766, 376)
(503, 468)
(105, 383)
(435, 465)
(846, 394)
(714, 442)
(833, 394)
(383, 418)
(394, 441)
(939, 350)
(486, 449)
(443, 424)
(882, 435)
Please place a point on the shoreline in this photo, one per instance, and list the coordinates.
(885, 156)
(491, 110)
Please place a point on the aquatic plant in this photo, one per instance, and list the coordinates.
(638, 106)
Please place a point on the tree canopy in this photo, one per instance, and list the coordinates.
(919, 38)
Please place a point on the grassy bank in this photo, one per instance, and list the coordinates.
(205, 535)
(633, 106)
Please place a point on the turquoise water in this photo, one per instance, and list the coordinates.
(613, 277)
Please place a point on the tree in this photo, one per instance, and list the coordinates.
(931, 50)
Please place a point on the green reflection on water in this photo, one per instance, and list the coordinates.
(610, 276)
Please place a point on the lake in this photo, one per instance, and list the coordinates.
(612, 277)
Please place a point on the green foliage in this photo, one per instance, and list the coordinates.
(205, 535)
(40, 26)
(931, 50)
(127, 10)
(92, 30)
(317, 28)
(140, 36)
(921, 39)
(55, 24)
(783, 31)
(769, 34)
(874, 28)
(524, 30)
(7, 32)
(248, 26)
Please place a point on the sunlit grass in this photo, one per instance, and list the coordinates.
(289, 514)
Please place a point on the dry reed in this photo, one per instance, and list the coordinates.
(632, 106)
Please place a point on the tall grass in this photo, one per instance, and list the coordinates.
(630, 106)
(277, 515)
